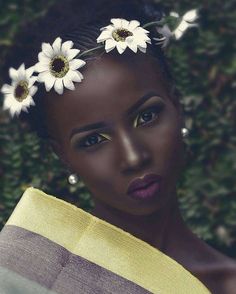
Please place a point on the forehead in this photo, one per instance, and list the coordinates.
(109, 87)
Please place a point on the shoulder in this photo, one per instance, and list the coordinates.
(215, 269)
(225, 277)
(219, 275)
(229, 278)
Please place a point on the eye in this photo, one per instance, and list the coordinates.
(146, 116)
(91, 140)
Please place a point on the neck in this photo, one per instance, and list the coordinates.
(164, 229)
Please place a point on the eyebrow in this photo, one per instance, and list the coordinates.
(103, 124)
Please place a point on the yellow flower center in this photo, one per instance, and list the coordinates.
(59, 66)
(121, 34)
(21, 91)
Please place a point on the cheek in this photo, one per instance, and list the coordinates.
(95, 168)
(168, 148)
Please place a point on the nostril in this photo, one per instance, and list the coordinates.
(146, 156)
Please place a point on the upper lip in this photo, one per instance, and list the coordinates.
(144, 182)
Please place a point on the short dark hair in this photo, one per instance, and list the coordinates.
(80, 21)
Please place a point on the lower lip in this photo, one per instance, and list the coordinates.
(146, 193)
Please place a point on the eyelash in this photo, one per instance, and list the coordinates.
(153, 109)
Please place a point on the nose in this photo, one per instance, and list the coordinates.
(134, 155)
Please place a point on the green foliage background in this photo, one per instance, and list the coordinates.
(204, 64)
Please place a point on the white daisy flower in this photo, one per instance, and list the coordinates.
(18, 95)
(122, 34)
(186, 22)
(57, 66)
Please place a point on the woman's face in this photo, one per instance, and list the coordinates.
(119, 124)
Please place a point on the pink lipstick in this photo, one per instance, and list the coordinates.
(145, 188)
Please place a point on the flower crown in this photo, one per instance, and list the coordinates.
(58, 63)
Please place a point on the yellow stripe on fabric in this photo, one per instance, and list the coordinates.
(102, 243)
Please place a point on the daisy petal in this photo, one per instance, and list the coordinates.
(191, 15)
(43, 76)
(47, 50)
(6, 89)
(133, 47)
(33, 90)
(13, 73)
(143, 37)
(106, 34)
(178, 34)
(140, 30)
(142, 49)
(109, 27)
(72, 53)
(140, 42)
(121, 46)
(40, 67)
(74, 76)
(31, 101)
(76, 63)
(57, 45)
(31, 81)
(124, 23)
(13, 112)
(133, 25)
(116, 22)
(21, 72)
(29, 71)
(110, 44)
(8, 101)
(58, 86)
(131, 44)
(66, 46)
(68, 83)
(49, 82)
(43, 58)
(79, 74)
(182, 26)
(27, 102)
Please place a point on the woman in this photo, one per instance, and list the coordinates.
(120, 129)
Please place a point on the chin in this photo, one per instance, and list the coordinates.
(145, 207)
(141, 209)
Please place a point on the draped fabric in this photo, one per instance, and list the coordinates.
(50, 246)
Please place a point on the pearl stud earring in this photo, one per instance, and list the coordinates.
(73, 179)
(184, 132)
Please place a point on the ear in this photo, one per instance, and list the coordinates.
(57, 149)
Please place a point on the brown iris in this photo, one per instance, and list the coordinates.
(121, 34)
(59, 66)
(21, 91)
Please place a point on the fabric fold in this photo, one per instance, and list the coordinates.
(67, 250)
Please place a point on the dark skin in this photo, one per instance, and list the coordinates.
(129, 146)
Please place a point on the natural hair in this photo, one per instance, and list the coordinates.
(80, 21)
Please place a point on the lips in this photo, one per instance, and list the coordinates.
(143, 183)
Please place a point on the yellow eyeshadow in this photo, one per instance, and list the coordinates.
(135, 121)
(106, 136)
(109, 137)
